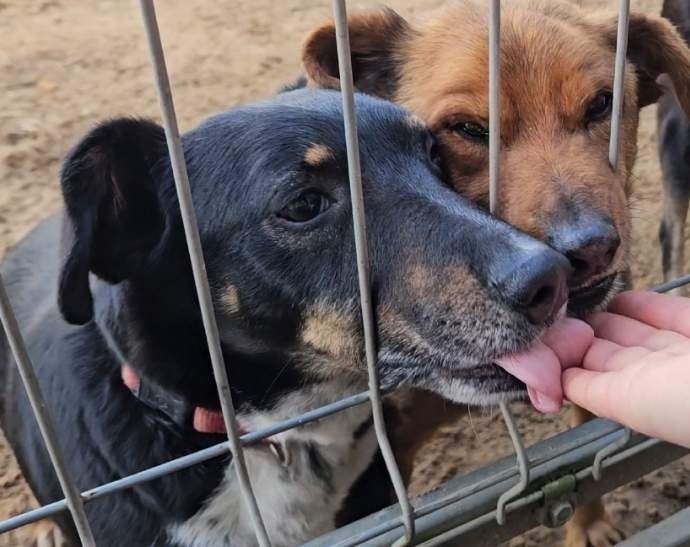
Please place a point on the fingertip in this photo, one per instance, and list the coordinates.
(569, 339)
(661, 311)
(574, 382)
(589, 390)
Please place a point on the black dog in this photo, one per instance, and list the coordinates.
(126, 373)
(674, 153)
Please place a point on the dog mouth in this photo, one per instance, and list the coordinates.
(585, 300)
(524, 368)
(534, 369)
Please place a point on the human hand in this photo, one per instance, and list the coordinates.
(637, 369)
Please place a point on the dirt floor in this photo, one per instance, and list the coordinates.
(67, 64)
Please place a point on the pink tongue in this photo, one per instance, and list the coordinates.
(563, 345)
(540, 369)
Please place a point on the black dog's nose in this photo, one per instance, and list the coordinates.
(538, 287)
(590, 246)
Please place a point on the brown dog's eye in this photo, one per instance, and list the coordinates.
(472, 131)
(305, 207)
(600, 107)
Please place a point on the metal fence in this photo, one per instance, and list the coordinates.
(483, 507)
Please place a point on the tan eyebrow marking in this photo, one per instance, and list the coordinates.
(318, 154)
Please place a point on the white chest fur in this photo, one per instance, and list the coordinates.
(299, 497)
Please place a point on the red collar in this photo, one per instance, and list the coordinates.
(204, 420)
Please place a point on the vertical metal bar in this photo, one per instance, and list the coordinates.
(523, 465)
(614, 158)
(494, 102)
(494, 174)
(75, 503)
(618, 82)
(605, 452)
(191, 231)
(359, 222)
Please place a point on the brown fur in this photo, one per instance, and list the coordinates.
(555, 59)
(330, 334)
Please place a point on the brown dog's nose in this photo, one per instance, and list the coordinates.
(590, 246)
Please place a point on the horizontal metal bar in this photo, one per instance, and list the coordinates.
(472, 496)
(450, 537)
(466, 486)
(184, 462)
(673, 284)
(646, 456)
(671, 532)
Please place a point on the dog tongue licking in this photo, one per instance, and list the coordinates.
(539, 367)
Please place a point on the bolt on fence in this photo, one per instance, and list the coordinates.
(464, 506)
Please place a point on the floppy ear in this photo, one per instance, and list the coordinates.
(656, 48)
(375, 37)
(113, 218)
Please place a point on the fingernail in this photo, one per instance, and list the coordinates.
(544, 403)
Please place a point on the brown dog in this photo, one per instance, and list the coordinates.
(557, 79)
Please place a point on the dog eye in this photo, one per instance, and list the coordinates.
(600, 107)
(472, 131)
(305, 207)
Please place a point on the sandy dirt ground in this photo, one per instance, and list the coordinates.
(67, 64)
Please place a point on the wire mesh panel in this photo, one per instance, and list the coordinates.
(468, 507)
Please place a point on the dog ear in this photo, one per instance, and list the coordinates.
(113, 218)
(656, 48)
(375, 37)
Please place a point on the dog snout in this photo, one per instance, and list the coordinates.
(590, 247)
(536, 285)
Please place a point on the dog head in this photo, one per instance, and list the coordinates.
(557, 71)
(453, 288)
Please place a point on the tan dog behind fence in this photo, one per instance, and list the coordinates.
(556, 87)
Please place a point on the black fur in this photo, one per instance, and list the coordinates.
(124, 287)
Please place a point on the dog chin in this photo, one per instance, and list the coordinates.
(485, 385)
